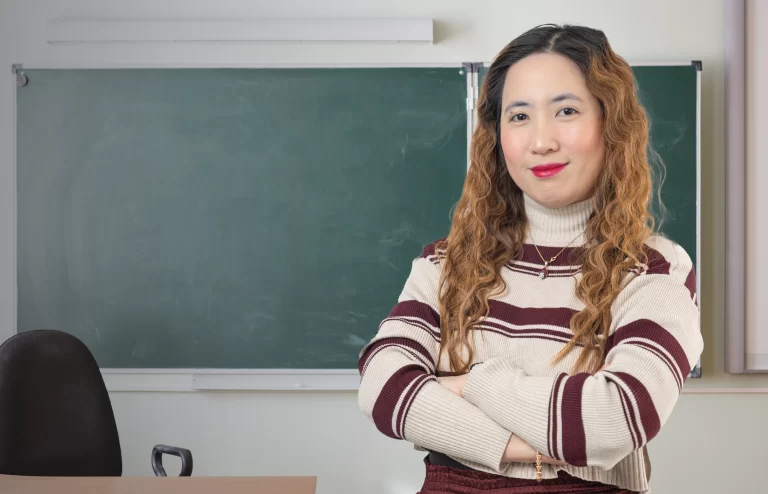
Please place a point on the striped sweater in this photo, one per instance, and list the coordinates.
(597, 424)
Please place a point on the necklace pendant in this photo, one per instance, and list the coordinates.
(543, 273)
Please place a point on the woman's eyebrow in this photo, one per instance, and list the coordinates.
(557, 99)
(564, 97)
(515, 104)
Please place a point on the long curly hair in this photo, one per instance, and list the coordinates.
(489, 223)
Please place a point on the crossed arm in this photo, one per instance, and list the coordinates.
(517, 450)
(400, 393)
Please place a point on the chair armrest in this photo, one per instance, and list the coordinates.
(157, 459)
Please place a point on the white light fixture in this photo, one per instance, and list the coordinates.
(99, 30)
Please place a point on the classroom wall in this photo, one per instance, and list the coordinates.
(714, 441)
(756, 41)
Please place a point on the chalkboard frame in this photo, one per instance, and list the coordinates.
(149, 379)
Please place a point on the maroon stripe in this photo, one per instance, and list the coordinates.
(537, 267)
(690, 282)
(536, 273)
(649, 330)
(406, 398)
(405, 406)
(384, 408)
(417, 358)
(552, 423)
(554, 316)
(531, 337)
(624, 405)
(429, 250)
(657, 263)
(416, 323)
(648, 415)
(574, 437)
(511, 331)
(414, 308)
(632, 425)
(667, 360)
(403, 342)
(536, 270)
(570, 256)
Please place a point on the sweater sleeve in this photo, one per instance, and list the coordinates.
(596, 420)
(398, 389)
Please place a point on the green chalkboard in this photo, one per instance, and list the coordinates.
(230, 218)
(256, 218)
(670, 96)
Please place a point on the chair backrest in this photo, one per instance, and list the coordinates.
(56, 418)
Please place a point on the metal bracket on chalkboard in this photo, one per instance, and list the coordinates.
(696, 371)
(697, 64)
(472, 67)
(21, 78)
(472, 70)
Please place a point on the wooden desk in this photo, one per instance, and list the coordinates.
(157, 485)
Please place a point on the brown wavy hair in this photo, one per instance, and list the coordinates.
(489, 223)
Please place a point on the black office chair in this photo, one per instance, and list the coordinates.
(56, 418)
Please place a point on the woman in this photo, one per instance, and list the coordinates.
(562, 328)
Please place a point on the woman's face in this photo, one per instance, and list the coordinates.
(551, 130)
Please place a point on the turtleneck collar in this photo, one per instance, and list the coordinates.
(559, 226)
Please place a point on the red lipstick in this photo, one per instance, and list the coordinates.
(547, 170)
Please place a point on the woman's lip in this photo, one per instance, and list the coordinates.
(548, 170)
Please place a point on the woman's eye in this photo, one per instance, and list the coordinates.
(568, 111)
(518, 117)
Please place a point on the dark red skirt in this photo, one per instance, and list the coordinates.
(448, 480)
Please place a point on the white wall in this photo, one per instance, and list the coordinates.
(755, 177)
(712, 444)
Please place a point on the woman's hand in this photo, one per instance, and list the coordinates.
(519, 451)
(455, 384)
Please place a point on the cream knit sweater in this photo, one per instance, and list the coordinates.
(598, 424)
